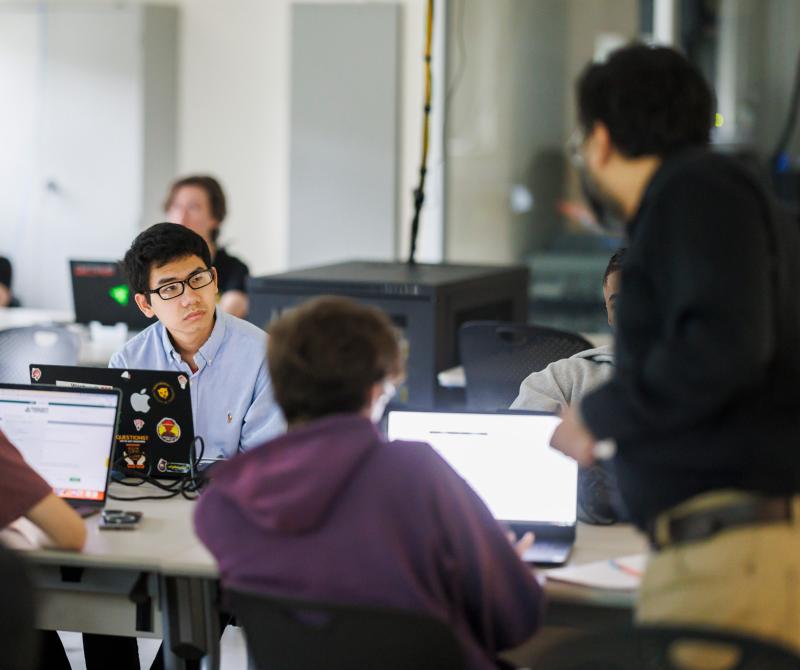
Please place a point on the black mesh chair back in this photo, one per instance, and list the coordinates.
(662, 648)
(19, 639)
(19, 347)
(498, 355)
(289, 634)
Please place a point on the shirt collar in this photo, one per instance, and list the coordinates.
(208, 351)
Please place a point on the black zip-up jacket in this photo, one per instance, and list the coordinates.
(706, 393)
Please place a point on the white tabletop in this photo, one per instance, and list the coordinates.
(19, 317)
(599, 543)
(164, 541)
(96, 347)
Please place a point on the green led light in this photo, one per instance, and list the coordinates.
(120, 294)
(719, 120)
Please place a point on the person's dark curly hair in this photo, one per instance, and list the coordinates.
(155, 247)
(652, 100)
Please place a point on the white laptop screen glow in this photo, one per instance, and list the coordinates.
(505, 458)
(65, 437)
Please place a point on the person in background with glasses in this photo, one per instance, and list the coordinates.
(198, 202)
(563, 383)
(332, 511)
(170, 273)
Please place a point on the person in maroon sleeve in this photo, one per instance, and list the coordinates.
(346, 516)
(23, 493)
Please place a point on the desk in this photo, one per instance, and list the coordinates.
(171, 575)
(174, 580)
(598, 543)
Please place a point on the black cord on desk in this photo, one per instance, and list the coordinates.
(188, 485)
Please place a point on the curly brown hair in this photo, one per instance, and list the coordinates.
(325, 355)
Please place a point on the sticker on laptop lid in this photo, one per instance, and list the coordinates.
(140, 401)
(163, 392)
(138, 424)
(36, 374)
(175, 468)
(168, 430)
(83, 385)
(134, 456)
(126, 375)
(182, 380)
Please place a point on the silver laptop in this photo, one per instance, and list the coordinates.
(66, 435)
(506, 458)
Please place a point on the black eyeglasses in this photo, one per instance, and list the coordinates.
(175, 289)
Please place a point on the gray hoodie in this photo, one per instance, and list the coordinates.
(563, 383)
(566, 381)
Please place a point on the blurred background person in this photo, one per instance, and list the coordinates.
(198, 202)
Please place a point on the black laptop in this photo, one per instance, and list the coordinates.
(156, 431)
(101, 293)
(66, 435)
(506, 458)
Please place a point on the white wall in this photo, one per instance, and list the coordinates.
(233, 115)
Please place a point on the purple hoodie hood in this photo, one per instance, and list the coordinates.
(289, 484)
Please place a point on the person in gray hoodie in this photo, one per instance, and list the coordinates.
(565, 382)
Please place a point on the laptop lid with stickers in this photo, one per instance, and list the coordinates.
(66, 435)
(156, 431)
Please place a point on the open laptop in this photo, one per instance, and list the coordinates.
(66, 435)
(156, 430)
(506, 458)
(100, 293)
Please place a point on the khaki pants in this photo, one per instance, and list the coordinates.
(745, 579)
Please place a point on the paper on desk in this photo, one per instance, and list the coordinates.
(619, 574)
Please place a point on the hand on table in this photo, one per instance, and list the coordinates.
(523, 544)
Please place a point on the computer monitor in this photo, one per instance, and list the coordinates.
(65, 435)
(100, 293)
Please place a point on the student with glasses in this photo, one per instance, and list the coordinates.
(170, 273)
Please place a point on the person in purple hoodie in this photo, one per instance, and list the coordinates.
(333, 511)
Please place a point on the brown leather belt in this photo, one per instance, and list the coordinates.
(704, 524)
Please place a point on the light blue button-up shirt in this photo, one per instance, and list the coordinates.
(232, 404)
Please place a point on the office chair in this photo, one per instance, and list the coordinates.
(19, 347)
(666, 648)
(289, 634)
(498, 355)
(18, 636)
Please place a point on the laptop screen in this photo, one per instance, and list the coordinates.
(65, 436)
(505, 458)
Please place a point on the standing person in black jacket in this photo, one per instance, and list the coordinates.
(704, 406)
